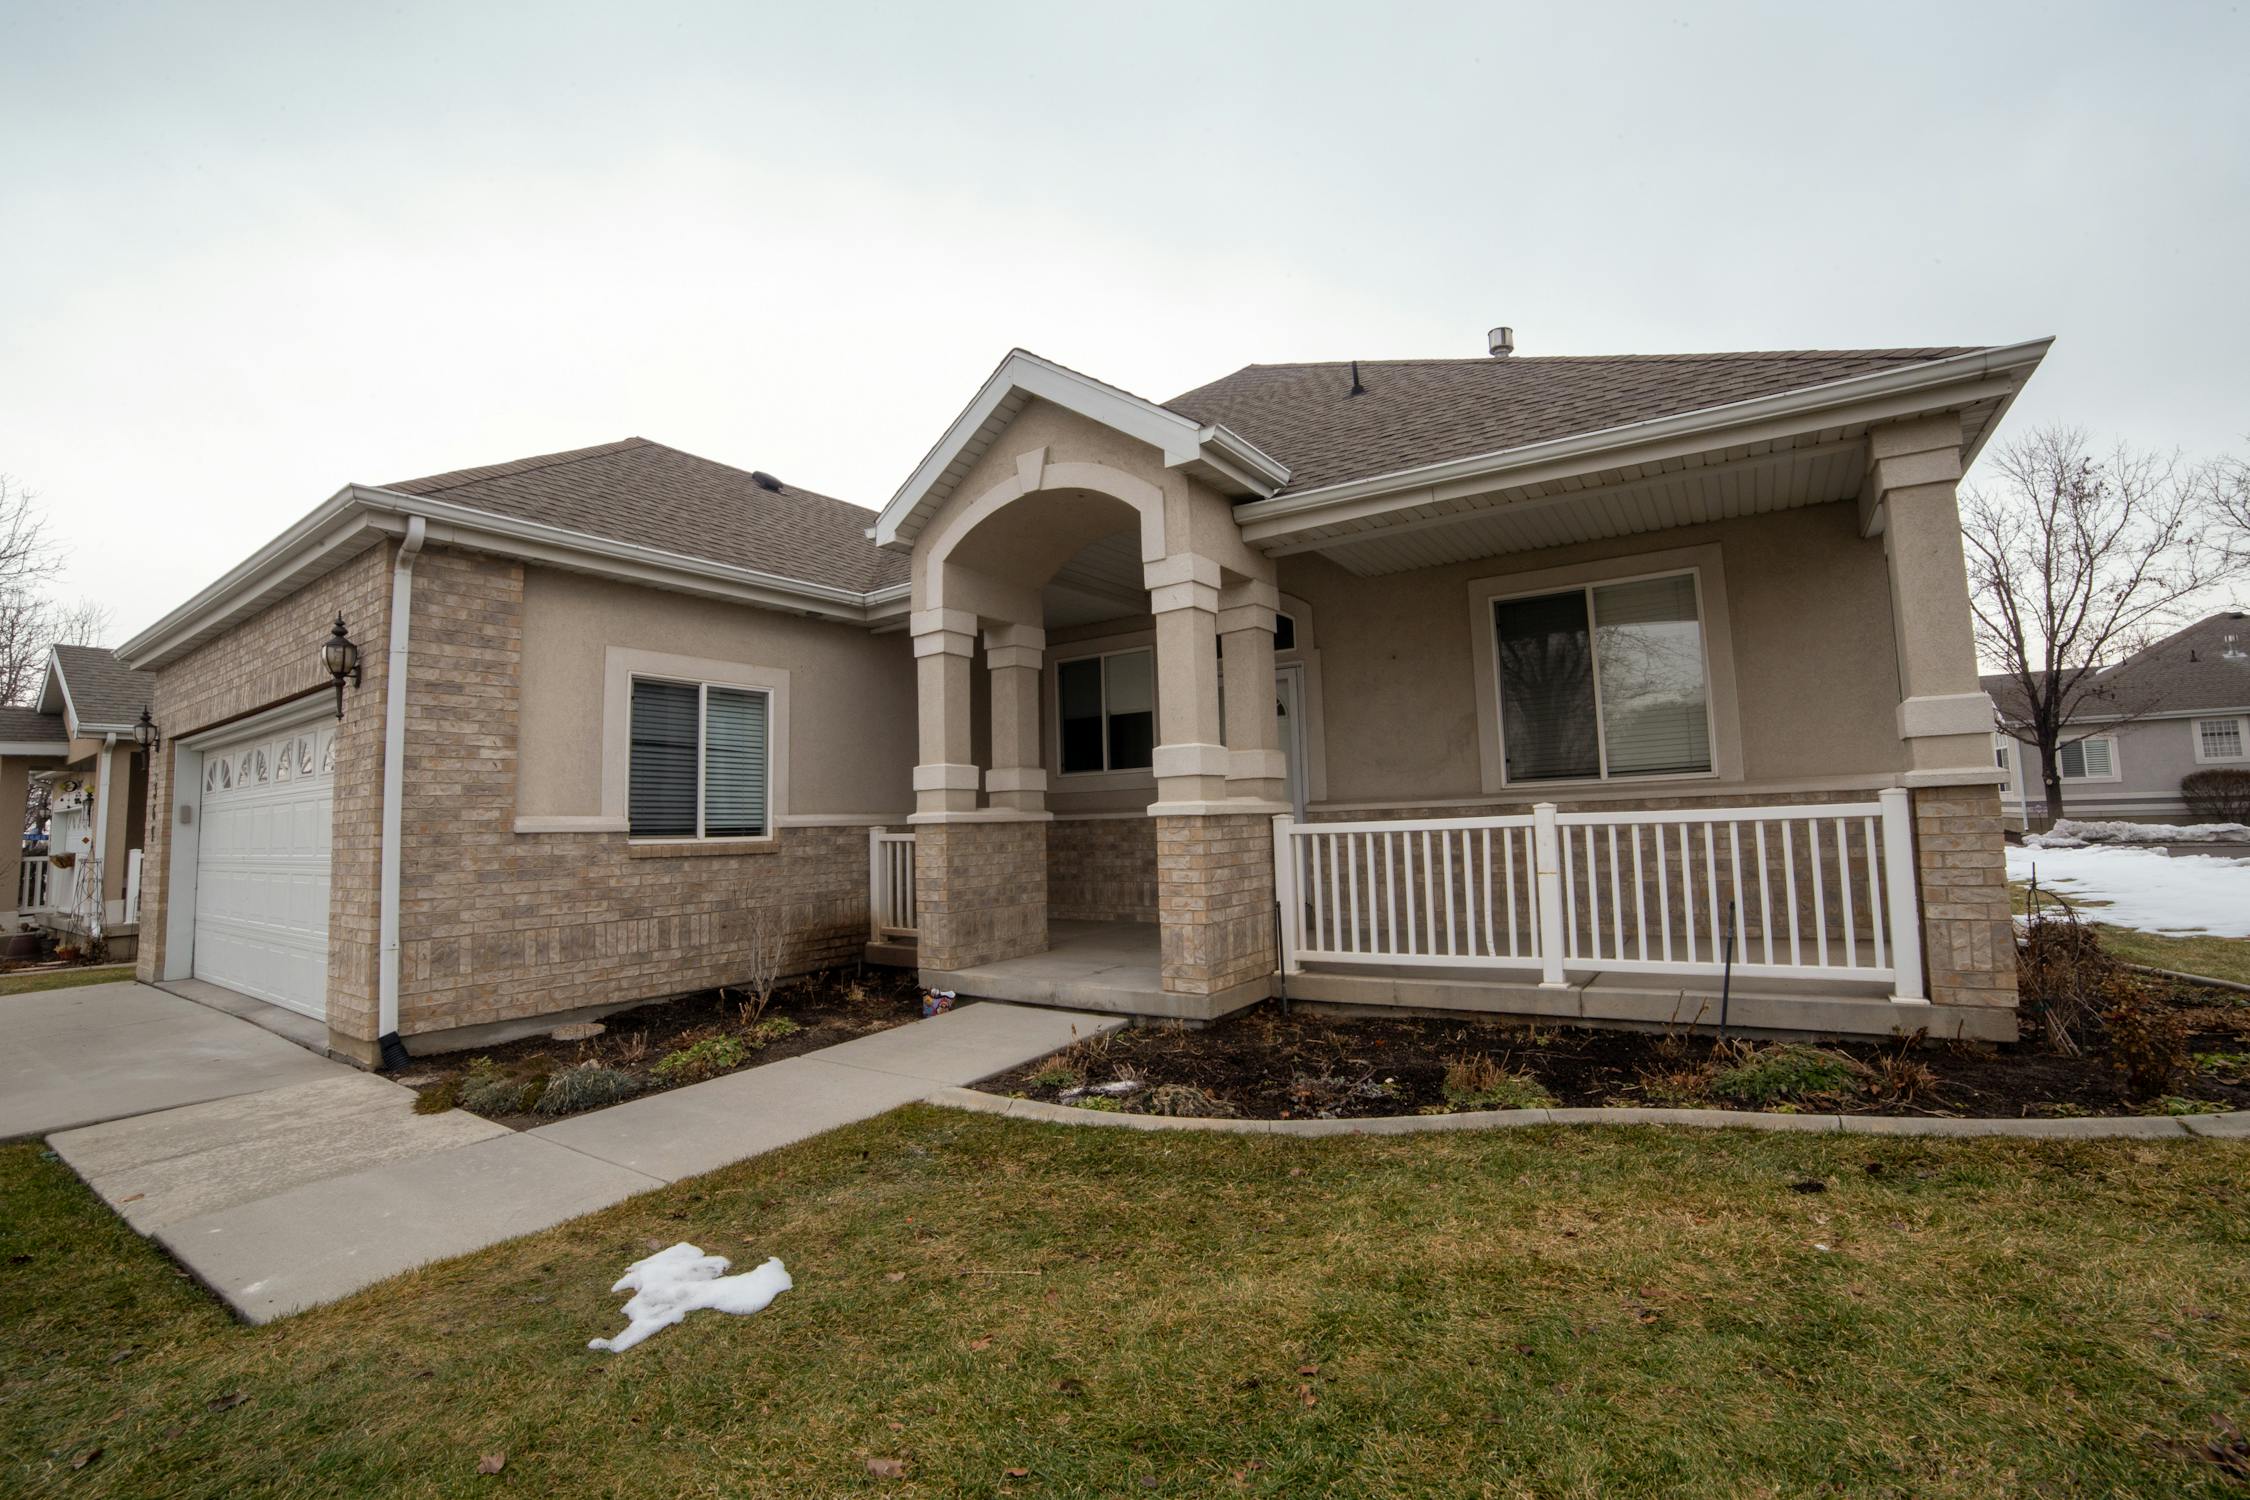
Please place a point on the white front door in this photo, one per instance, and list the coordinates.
(261, 879)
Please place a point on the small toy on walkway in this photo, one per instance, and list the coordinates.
(936, 1003)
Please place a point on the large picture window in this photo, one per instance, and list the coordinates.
(1602, 681)
(700, 761)
(1107, 711)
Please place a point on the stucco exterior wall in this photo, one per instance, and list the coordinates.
(1810, 633)
(851, 730)
(271, 659)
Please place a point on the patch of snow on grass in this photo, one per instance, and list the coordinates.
(2070, 833)
(670, 1284)
(2146, 889)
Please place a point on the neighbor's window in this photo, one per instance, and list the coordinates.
(1604, 681)
(2218, 739)
(2087, 760)
(699, 761)
(1107, 707)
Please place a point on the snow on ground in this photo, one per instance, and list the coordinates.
(670, 1284)
(2146, 888)
(2070, 833)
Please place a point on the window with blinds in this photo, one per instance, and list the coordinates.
(1603, 681)
(2086, 760)
(700, 760)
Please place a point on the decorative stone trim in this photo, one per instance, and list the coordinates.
(2122, 1127)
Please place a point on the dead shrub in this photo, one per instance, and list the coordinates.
(1896, 1078)
(765, 938)
(2146, 1042)
(1682, 1086)
(1187, 1102)
(1480, 1081)
(2066, 981)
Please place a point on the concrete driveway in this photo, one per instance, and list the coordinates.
(108, 1051)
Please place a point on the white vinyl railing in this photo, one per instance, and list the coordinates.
(32, 879)
(134, 864)
(1791, 892)
(890, 884)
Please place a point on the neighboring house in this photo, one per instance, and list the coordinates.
(1593, 679)
(79, 742)
(2174, 708)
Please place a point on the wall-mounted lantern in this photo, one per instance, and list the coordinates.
(340, 655)
(145, 732)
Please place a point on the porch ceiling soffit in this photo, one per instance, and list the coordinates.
(1209, 452)
(1803, 448)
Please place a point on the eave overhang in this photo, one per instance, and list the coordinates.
(1213, 454)
(1981, 384)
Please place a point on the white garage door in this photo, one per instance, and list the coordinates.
(261, 880)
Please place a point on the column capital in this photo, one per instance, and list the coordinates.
(930, 621)
(945, 643)
(998, 637)
(1234, 617)
(1178, 596)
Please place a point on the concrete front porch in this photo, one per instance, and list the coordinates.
(1112, 967)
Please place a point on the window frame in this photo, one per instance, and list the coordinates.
(2241, 723)
(2116, 770)
(1055, 719)
(702, 688)
(1721, 701)
(620, 665)
(1603, 775)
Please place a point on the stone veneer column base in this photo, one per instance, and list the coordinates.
(1961, 864)
(1214, 901)
(980, 891)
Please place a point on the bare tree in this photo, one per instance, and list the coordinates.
(2076, 562)
(2226, 487)
(31, 625)
(28, 556)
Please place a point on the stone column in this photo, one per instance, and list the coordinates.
(1214, 858)
(1969, 936)
(1256, 768)
(947, 777)
(1014, 654)
(980, 874)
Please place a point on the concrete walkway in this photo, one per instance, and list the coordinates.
(106, 1051)
(276, 1218)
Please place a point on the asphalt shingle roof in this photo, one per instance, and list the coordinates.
(645, 493)
(106, 693)
(1426, 411)
(20, 726)
(2205, 665)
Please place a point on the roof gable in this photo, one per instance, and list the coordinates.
(1209, 450)
(94, 691)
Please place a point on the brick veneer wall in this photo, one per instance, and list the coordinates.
(980, 891)
(270, 659)
(1216, 905)
(1969, 934)
(497, 925)
(1102, 869)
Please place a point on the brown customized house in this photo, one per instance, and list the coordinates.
(1577, 687)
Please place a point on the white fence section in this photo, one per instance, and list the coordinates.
(32, 881)
(134, 864)
(1815, 891)
(890, 884)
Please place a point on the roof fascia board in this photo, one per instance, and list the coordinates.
(1181, 441)
(42, 749)
(1985, 374)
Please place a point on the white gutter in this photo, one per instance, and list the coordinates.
(393, 1051)
(1303, 506)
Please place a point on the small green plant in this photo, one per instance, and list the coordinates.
(1478, 1082)
(1056, 1074)
(705, 1059)
(2232, 1067)
(1106, 1103)
(483, 1089)
(1784, 1071)
(437, 1099)
(589, 1087)
(772, 1029)
(2174, 1104)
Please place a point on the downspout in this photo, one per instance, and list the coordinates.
(392, 1050)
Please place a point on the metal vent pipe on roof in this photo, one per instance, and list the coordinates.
(1501, 342)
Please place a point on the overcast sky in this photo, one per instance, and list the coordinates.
(253, 252)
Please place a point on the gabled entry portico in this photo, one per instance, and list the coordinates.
(1042, 467)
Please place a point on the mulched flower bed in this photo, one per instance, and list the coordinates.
(665, 1045)
(1310, 1065)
